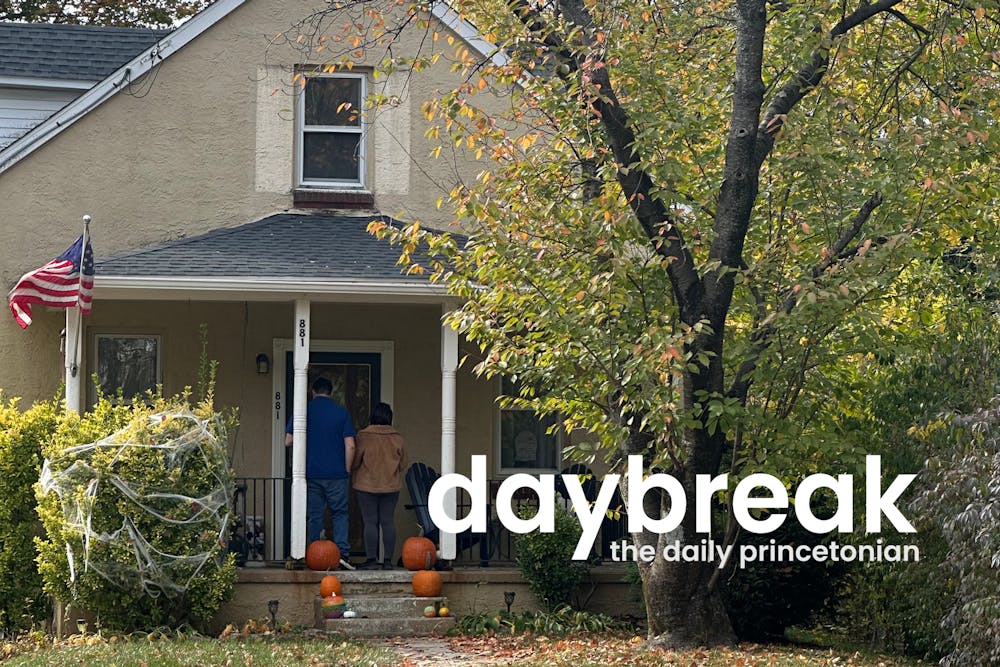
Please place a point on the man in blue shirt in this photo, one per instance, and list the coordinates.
(329, 453)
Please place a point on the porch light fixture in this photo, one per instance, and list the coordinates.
(263, 364)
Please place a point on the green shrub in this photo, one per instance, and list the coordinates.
(765, 598)
(136, 519)
(562, 621)
(962, 496)
(546, 560)
(22, 601)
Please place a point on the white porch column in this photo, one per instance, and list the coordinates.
(300, 362)
(449, 365)
(72, 356)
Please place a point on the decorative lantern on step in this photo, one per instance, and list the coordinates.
(322, 555)
(416, 551)
(334, 606)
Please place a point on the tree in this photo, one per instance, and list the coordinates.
(690, 215)
(127, 13)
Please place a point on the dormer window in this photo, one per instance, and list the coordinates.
(331, 145)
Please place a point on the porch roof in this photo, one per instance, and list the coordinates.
(287, 252)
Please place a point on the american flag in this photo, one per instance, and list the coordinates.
(57, 284)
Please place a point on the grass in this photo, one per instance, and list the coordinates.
(255, 650)
(598, 650)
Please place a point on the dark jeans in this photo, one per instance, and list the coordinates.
(377, 511)
(332, 492)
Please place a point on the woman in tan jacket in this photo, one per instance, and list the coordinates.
(377, 476)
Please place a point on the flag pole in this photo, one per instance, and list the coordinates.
(74, 334)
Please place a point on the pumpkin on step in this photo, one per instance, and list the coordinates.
(330, 585)
(419, 553)
(426, 584)
(322, 555)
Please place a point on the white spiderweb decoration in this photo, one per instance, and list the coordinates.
(177, 491)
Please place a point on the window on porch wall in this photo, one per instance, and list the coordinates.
(130, 362)
(526, 445)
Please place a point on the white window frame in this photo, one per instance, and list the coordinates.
(112, 334)
(301, 128)
(503, 471)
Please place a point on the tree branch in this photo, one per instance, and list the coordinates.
(763, 335)
(741, 176)
(637, 185)
(808, 76)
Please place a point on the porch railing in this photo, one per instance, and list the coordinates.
(260, 531)
(260, 511)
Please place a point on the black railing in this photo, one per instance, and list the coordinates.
(261, 509)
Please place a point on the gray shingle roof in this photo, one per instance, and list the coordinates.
(70, 52)
(280, 246)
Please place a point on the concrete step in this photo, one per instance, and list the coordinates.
(386, 605)
(389, 627)
(375, 581)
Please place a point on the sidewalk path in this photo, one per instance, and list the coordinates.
(427, 651)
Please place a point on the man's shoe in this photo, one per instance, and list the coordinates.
(387, 565)
(370, 565)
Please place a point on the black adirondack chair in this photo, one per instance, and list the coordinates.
(419, 480)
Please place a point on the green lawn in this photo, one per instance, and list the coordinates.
(524, 650)
(258, 651)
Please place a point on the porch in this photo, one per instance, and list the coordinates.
(258, 507)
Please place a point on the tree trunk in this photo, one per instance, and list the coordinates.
(681, 610)
(684, 607)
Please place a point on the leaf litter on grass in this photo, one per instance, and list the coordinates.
(613, 651)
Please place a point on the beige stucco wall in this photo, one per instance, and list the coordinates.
(204, 141)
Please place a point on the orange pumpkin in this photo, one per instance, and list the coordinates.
(427, 584)
(330, 585)
(322, 555)
(419, 553)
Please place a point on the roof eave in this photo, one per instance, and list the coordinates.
(260, 288)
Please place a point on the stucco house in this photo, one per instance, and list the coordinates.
(224, 195)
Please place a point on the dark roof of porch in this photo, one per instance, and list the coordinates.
(286, 245)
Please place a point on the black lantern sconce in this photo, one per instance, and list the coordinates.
(508, 599)
(263, 364)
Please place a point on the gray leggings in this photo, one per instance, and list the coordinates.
(377, 511)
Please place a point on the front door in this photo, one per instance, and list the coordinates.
(357, 384)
